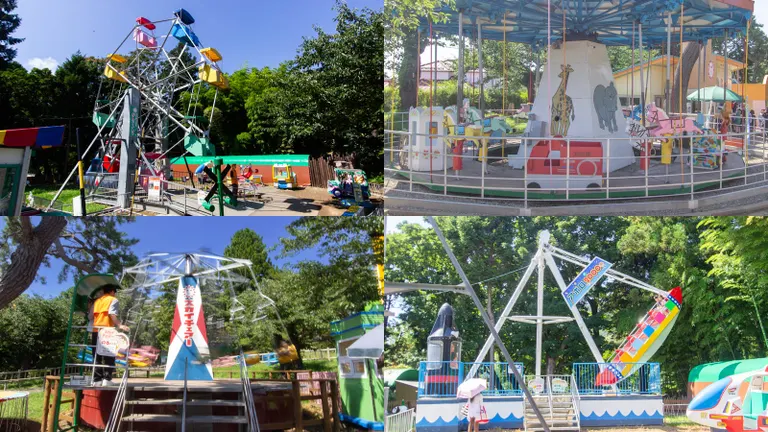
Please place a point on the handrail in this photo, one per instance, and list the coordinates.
(576, 400)
(549, 396)
(253, 420)
(184, 400)
(118, 406)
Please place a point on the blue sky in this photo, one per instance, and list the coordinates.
(257, 33)
(180, 234)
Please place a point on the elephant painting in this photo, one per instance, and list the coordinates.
(605, 100)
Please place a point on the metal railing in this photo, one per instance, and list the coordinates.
(724, 163)
(404, 421)
(250, 409)
(645, 380)
(442, 379)
(118, 406)
(576, 400)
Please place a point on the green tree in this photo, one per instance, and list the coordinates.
(9, 22)
(246, 244)
(84, 245)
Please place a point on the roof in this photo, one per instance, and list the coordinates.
(662, 60)
(37, 137)
(609, 21)
(290, 159)
(711, 372)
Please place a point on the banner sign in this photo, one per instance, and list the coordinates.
(585, 280)
(188, 349)
(111, 341)
(153, 193)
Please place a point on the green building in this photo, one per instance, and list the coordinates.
(361, 383)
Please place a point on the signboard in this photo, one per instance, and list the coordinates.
(189, 338)
(111, 341)
(585, 280)
(153, 193)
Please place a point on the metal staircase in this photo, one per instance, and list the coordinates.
(557, 398)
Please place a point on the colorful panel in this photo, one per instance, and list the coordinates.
(648, 330)
(49, 136)
(671, 305)
(116, 58)
(184, 34)
(2, 137)
(20, 137)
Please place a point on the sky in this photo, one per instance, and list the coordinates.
(254, 33)
(177, 234)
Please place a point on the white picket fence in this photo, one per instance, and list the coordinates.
(401, 422)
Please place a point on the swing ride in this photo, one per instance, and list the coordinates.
(577, 144)
(200, 279)
(623, 390)
(140, 113)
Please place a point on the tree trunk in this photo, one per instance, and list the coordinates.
(33, 244)
(690, 56)
(409, 88)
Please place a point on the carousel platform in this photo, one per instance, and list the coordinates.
(503, 181)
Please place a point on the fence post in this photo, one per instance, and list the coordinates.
(324, 396)
(335, 405)
(297, 411)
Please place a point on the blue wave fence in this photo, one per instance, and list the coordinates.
(442, 379)
(645, 380)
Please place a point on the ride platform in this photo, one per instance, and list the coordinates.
(502, 181)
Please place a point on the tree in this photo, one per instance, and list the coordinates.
(342, 73)
(23, 250)
(85, 245)
(402, 21)
(246, 244)
(341, 239)
(9, 22)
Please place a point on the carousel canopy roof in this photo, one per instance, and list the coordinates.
(608, 21)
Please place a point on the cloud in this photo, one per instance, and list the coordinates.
(42, 63)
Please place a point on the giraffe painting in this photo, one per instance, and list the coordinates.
(562, 106)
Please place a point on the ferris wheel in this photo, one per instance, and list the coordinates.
(148, 102)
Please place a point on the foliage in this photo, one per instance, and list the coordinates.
(718, 262)
(757, 66)
(246, 244)
(33, 331)
(9, 23)
(326, 100)
(341, 239)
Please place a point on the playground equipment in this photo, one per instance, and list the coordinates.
(701, 376)
(634, 397)
(361, 383)
(283, 176)
(219, 189)
(14, 406)
(199, 277)
(576, 102)
(737, 403)
(138, 109)
(350, 186)
(16, 147)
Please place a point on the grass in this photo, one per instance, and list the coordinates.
(678, 421)
(65, 199)
(310, 365)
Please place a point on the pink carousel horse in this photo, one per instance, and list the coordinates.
(660, 124)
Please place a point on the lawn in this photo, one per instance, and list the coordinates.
(64, 202)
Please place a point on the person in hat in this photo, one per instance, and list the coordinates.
(104, 313)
